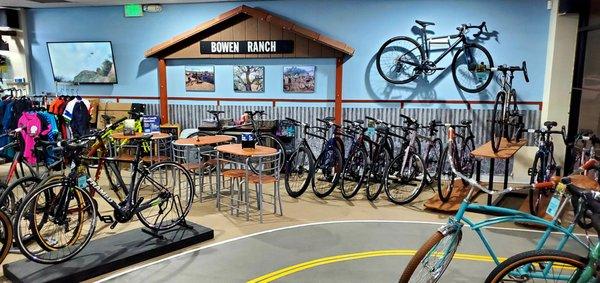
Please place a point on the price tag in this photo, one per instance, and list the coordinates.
(82, 181)
(553, 206)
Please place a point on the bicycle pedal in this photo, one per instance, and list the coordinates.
(108, 219)
(113, 225)
(529, 171)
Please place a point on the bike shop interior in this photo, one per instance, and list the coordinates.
(299, 140)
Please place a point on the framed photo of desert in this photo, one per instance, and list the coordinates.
(299, 79)
(249, 78)
(200, 78)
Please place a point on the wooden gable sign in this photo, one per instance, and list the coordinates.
(247, 32)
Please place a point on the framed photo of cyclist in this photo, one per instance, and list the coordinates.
(299, 79)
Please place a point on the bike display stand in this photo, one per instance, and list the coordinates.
(108, 254)
(506, 152)
(456, 197)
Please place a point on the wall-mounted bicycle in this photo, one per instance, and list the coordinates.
(402, 59)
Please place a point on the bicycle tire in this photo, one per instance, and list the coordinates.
(529, 258)
(416, 163)
(12, 197)
(498, 125)
(352, 170)
(6, 235)
(331, 171)
(180, 211)
(455, 66)
(303, 174)
(513, 129)
(432, 158)
(426, 250)
(467, 160)
(445, 177)
(414, 45)
(535, 196)
(45, 250)
(379, 170)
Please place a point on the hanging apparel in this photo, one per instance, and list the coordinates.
(68, 113)
(80, 122)
(32, 128)
(20, 106)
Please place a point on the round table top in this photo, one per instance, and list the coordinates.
(155, 136)
(236, 149)
(204, 140)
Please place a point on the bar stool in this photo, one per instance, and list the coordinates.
(267, 171)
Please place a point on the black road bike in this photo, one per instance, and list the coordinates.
(507, 122)
(402, 59)
(463, 160)
(61, 215)
(544, 165)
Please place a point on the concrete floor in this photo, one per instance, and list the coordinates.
(286, 248)
(251, 257)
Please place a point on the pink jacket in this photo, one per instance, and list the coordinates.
(32, 128)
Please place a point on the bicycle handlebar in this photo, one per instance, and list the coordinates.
(481, 27)
(512, 69)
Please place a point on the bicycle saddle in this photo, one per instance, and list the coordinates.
(586, 132)
(424, 23)
(216, 112)
(550, 124)
(359, 121)
(466, 122)
(146, 137)
(328, 118)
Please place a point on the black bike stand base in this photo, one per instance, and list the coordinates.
(109, 254)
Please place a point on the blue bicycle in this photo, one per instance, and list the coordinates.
(431, 260)
(328, 166)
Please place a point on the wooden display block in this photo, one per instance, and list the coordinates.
(459, 193)
(506, 150)
(118, 110)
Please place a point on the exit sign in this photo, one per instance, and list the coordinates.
(133, 10)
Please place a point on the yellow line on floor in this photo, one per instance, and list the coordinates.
(346, 257)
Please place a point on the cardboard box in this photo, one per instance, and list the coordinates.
(111, 108)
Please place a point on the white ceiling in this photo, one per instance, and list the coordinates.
(74, 3)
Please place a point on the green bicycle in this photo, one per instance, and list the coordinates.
(555, 265)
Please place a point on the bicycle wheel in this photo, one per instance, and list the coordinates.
(379, 168)
(168, 189)
(398, 60)
(327, 172)
(12, 197)
(432, 159)
(513, 128)
(58, 220)
(6, 235)
(498, 123)
(467, 160)
(537, 176)
(431, 260)
(354, 173)
(540, 265)
(297, 172)
(406, 182)
(470, 68)
(445, 177)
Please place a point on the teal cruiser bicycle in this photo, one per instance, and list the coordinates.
(431, 260)
(556, 265)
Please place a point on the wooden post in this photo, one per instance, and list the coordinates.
(162, 91)
(338, 90)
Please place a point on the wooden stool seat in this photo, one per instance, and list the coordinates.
(191, 166)
(234, 173)
(255, 179)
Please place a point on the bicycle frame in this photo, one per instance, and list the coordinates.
(426, 42)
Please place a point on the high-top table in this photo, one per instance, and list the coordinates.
(235, 155)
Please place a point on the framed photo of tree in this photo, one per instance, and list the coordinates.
(249, 78)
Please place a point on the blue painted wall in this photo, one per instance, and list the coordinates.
(522, 28)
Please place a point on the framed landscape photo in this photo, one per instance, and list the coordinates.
(82, 62)
(299, 79)
(249, 78)
(200, 78)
